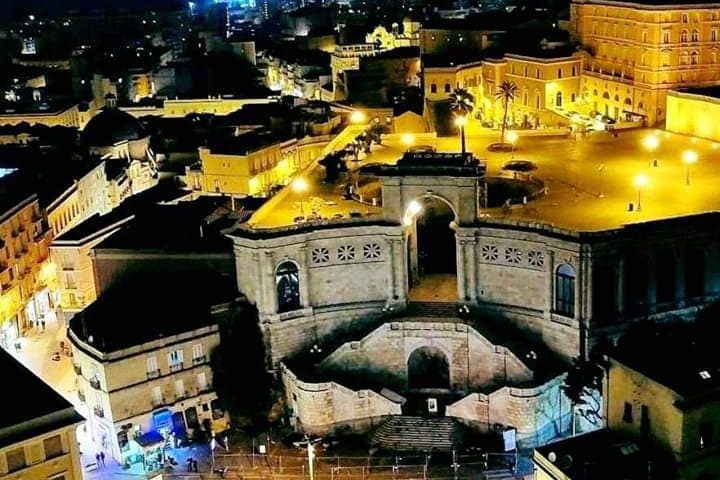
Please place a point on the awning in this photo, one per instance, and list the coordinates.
(150, 439)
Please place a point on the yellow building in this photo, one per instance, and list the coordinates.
(671, 402)
(145, 374)
(692, 112)
(636, 52)
(253, 163)
(62, 116)
(38, 438)
(548, 87)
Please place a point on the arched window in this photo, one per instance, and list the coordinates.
(695, 36)
(559, 72)
(683, 58)
(684, 18)
(694, 58)
(558, 99)
(683, 36)
(565, 290)
(287, 285)
(447, 88)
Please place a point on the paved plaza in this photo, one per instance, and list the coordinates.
(590, 180)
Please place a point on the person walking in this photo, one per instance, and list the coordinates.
(102, 454)
(195, 466)
(189, 464)
(42, 322)
(97, 461)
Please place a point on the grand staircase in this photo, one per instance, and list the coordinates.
(410, 434)
(431, 309)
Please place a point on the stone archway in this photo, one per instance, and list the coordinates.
(428, 367)
(431, 246)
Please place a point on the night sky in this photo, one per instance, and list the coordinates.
(54, 7)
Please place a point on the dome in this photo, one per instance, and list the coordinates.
(112, 126)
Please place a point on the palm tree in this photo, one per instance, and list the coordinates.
(506, 93)
(462, 104)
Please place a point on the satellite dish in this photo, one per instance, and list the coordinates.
(552, 456)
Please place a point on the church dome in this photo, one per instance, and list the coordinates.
(112, 126)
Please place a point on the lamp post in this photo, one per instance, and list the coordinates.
(357, 117)
(689, 157)
(300, 186)
(651, 143)
(640, 181)
(460, 122)
(407, 139)
(512, 137)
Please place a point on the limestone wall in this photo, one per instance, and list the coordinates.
(383, 355)
(538, 414)
(320, 407)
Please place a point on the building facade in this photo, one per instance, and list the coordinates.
(636, 52)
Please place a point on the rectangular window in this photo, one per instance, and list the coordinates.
(666, 37)
(713, 35)
(202, 381)
(198, 355)
(157, 395)
(627, 413)
(16, 459)
(53, 446)
(175, 360)
(152, 367)
(179, 388)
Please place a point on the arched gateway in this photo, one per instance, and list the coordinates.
(428, 367)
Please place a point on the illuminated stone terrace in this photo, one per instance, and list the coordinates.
(590, 182)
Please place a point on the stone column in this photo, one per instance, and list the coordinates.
(268, 283)
(679, 257)
(472, 265)
(651, 284)
(392, 269)
(399, 260)
(460, 263)
(304, 277)
(620, 286)
(550, 274)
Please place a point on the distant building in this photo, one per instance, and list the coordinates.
(145, 375)
(636, 52)
(37, 438)
(689, 109)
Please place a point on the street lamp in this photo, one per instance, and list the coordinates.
(640, 181)
(407, 139)
(357, 117)
(651, 143)
(460, 122)
(512, 137)
(689, 157)
(300, 186)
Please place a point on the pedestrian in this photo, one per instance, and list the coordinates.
(102, 454)
(43, 324)
(17, 346)
(195, 466)
(189, 464)
(97, 461)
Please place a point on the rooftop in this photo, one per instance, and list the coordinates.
(713, 91)
(656, 3)
(225, 141)
(601, 455)
(172, 304)
(21, 419)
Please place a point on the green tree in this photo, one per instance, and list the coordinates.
(239, 375)
(506, 93)
(462, 104)
(582, 382)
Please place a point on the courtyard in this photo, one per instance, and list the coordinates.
(590, 181)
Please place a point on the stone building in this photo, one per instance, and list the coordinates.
(146, 374)
(636, 52)
(38, 435)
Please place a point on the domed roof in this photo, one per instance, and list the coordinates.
(112, 126)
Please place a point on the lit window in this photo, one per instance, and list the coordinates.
(704, 374)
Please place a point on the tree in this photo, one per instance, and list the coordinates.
(506, 93)
(239, 374)
(462, 104)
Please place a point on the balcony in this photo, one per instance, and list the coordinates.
(77, 369)
(153, 374)
(176, 367)
(94, 383)
(199, 360)
(98, 411)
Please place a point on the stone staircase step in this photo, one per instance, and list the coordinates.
(432, 309)
(409, 433)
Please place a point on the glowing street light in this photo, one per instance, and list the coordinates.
(300, 186)
(689, 157)
(640, 181)
(413, 209)
(460, 122)
(651, 143)
(512, 137)
(357, 117)
(407, 139)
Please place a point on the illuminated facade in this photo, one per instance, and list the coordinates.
(689, 112)
(636, 52)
